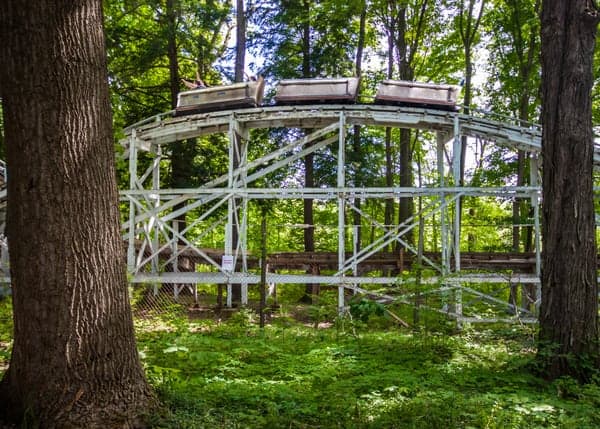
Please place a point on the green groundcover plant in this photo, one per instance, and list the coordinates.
(349, 373)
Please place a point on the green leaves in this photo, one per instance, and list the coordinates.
(180, 350)
(363, 308)
(292, 376)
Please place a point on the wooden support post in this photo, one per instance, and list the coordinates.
(263, 267)
(341, 181)
(132, 185)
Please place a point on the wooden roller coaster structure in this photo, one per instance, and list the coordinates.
(326, 109)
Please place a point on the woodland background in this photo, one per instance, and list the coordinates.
(309, 368)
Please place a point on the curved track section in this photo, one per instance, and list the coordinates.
(165, 128)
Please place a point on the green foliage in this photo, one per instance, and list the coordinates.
(234, 375)
(363, 309)
(138, 35)
(514, 67)
(6, 331)
(582, 367)
(487, 225)
(288, 375)
(305, 39)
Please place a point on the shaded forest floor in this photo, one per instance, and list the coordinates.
(308, 370)
(346, 373)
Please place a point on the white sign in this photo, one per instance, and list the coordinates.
(227, 263)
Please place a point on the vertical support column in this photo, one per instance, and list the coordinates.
(535, 202)
(341, 183)
(155, 217)
(132, 185)
(445, 248)
(243, 239)
(231, 207)
(441, 141)
(175, 262)
(355, 232)
(456, 161)
(156, 205)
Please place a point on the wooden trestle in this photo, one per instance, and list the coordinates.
(155, 240)
(380, 261)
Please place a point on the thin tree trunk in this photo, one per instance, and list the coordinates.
(171, 15)
(467, 109)
(406, 206)
(182, 152)
(74, 361)
(389, 165)
(526, 51)
(568, 341)
(468, 26)
(405, 68)
(389, 179)
(356, 146)
(240, 47)
(309, 179)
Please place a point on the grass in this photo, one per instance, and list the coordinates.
(234, 375)
(214, 374)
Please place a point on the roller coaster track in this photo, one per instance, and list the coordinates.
(165, 128)
(153, 209)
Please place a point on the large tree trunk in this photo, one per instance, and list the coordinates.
(74, 361)
(569, 310)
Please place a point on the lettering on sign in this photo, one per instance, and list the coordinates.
(227, 263)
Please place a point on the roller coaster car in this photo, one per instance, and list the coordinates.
(400, 92)
(234, 96)
(331, 90)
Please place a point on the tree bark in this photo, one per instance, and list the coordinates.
(310, 290)
(171, 16)
(568, 341)
(389, 163)
(406, 206)
(356, 146)
(468, 26)
(523, 30)
(240, 43)
(182, 152)
(74, 361)
(406, 44)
